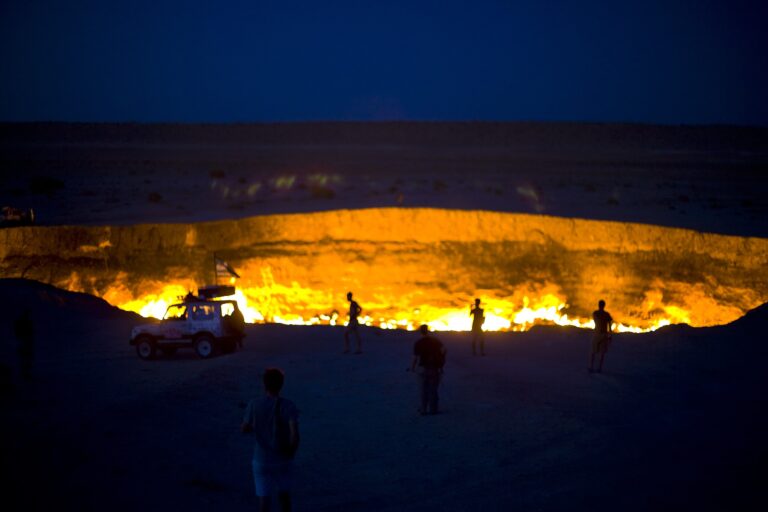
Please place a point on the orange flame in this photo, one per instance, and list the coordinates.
(276, 303)
(413, 266)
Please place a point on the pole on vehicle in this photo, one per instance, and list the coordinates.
(215, 271)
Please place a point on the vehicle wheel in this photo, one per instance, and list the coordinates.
(204, 346)
(168, 351)
(146, 348)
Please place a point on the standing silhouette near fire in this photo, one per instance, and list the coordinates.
(478, 318)
(602, 336)
(353, 325)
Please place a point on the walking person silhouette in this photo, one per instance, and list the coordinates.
(478, 318)
(353, 325)
(602, 337)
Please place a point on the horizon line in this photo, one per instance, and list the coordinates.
(389, 121)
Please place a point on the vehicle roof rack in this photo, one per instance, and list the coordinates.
(213, 291)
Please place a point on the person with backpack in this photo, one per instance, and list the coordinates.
(429, 355)
(273, 421)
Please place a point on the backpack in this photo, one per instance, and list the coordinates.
(436, 355)
(281, 434)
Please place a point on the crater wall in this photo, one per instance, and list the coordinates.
(410, 265)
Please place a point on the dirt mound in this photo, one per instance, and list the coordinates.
(755, 320)
(17, 295)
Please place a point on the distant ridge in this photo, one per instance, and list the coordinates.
(524, 135)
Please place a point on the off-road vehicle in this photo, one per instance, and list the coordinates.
(10, 216)
(208, 326)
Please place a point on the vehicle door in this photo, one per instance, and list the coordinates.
(174, 325)
(203, 317)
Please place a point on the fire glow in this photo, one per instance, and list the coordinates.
(409, 267)
(499, 315)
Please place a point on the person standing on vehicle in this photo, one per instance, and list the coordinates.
(429, 355)
(602, 336)
(274, 421)
(353, 325)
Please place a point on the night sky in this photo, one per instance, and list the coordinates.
(637, 61)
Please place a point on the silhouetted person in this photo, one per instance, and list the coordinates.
(602, 337)
(478, 318)
(353, 325)
(237, 321)
(25, 332)
(191, 297)
(429, 355)
(274, 421)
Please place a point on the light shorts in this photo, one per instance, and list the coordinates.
(271, 479)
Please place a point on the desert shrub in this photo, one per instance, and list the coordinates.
(322, 193)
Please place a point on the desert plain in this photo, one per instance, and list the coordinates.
(676, 420)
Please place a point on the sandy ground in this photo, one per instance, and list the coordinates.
(710, 179)
(676, 421)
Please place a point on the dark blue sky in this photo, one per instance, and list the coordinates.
(639, 61)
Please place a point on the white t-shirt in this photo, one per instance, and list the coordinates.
(260, 414)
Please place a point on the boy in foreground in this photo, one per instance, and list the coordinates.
(274, 422)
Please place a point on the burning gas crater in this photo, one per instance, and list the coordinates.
(407, 267)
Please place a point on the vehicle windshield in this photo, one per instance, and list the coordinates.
(176, 312)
